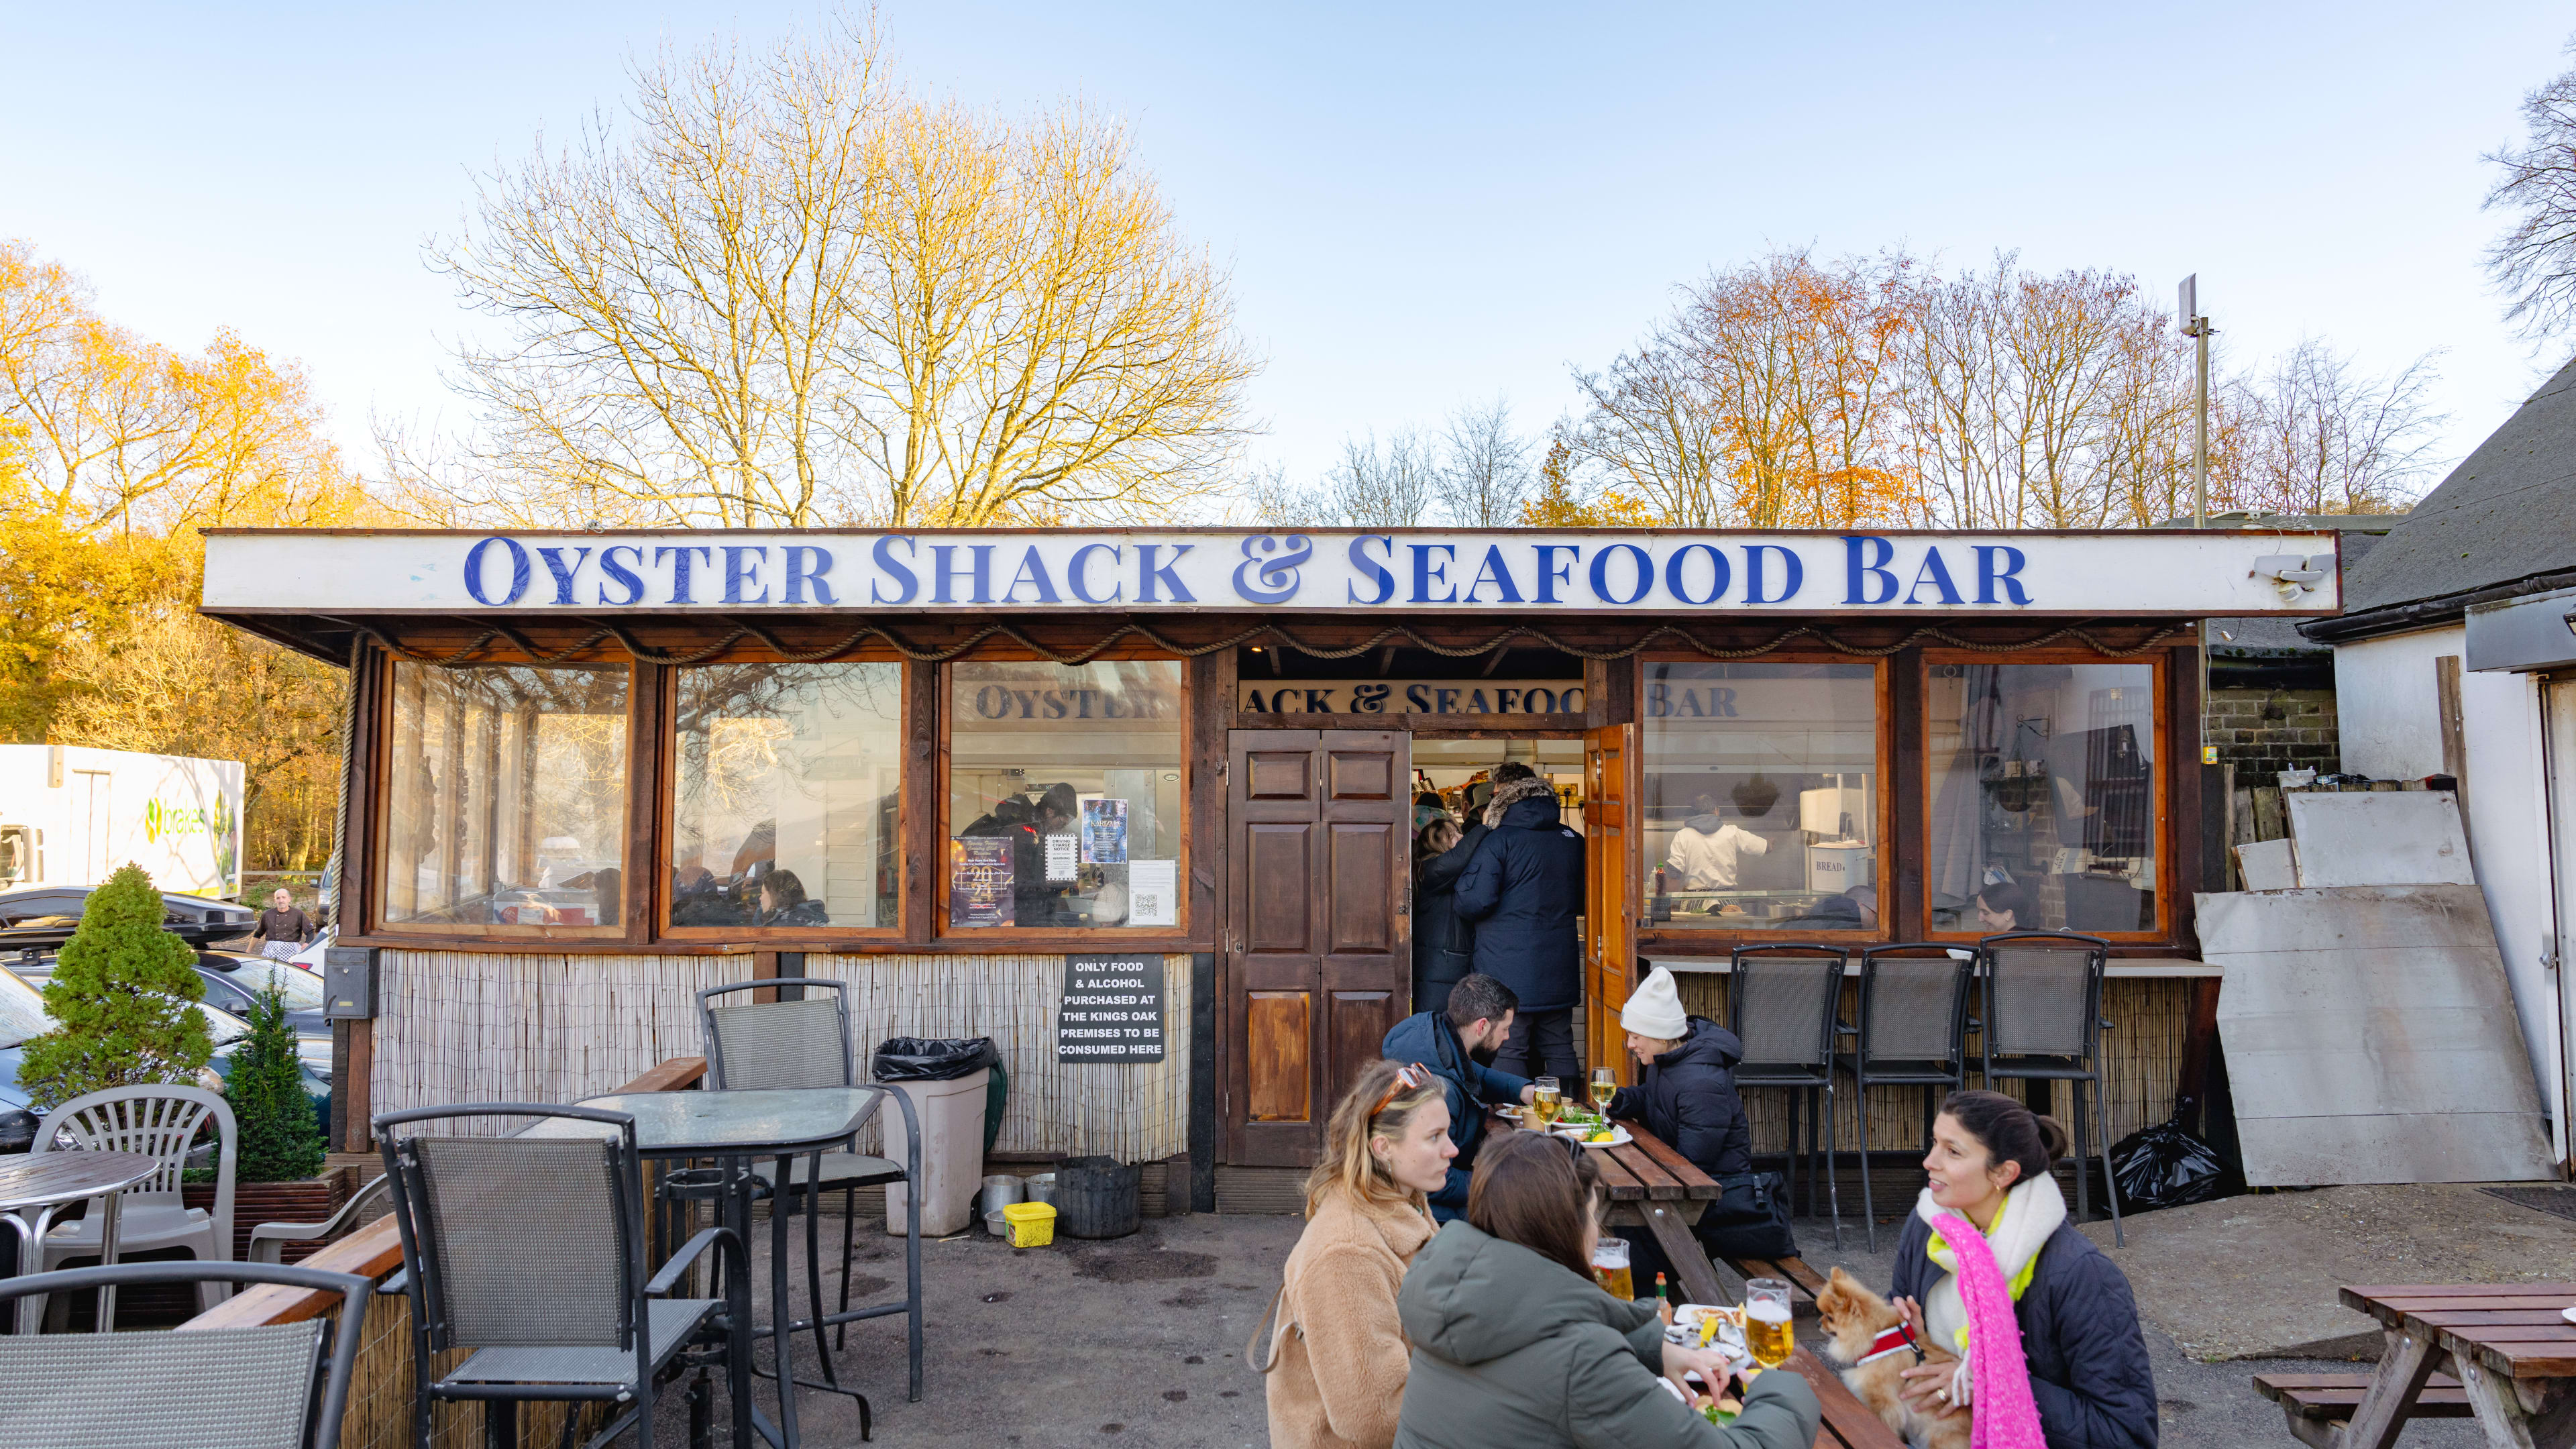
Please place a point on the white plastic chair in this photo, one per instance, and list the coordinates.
(157, 1121)
(268, 1240)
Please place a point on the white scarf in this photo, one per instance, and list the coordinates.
(2031, 1213)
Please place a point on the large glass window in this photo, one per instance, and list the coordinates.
(1761, 785)
(786, 795)
(507, 797)
(1064, 795)
(2043, 797)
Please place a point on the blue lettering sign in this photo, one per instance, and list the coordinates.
(679, 558)
(800, 573)
(518, 571)
(1673, 577)
(563, 574)
(1151, 577)
(1382, 577)
(624, 576)
(1643, 578)
(742, 571)
(1277, 577)
(883, 553)
(1994, 572)
(1793, 571)
(1077, 574)
(1867, 556)
(1426, 573)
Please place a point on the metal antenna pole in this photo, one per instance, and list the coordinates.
(2197, 328)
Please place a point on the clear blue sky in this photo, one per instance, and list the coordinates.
(1420, 205)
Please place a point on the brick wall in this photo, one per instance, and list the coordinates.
(2274, 729)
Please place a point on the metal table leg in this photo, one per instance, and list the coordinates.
(779, 1302)
(114, 1211)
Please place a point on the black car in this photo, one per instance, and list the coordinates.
(46, 916)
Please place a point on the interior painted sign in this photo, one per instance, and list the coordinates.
(1519, 571)
(1411, 696)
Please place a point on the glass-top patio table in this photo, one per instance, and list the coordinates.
(735, 1128)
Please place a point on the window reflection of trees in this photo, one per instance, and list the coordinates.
(494, 769)
(751, 737)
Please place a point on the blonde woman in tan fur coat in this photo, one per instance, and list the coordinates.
(1335, 1361)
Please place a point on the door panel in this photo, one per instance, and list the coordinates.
(1610, 891)
(1280, 917)
(1277, 1056)
(1361, 1020)
(1364, 856)
(1320, 941)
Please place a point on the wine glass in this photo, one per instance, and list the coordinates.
(1605, 1085)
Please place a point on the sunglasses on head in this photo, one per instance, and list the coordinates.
(1407, 1079)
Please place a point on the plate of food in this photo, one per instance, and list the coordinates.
(1595, 1136)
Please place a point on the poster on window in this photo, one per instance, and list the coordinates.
(979, 882)
(1153, 893)
(1104, 832)
(1060, 852)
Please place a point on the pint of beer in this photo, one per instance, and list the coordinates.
(1610, 1269)
(1549, 1097)
(1767, 1333)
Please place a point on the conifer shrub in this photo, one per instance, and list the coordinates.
(119, 997)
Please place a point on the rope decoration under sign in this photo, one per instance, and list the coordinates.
(1663, 635)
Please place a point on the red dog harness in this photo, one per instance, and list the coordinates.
(1899, 1339)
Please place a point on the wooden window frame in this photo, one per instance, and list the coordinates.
(378, 804)
(1717, 939)
(665, 816)
(2160, 786)
(1052, 939)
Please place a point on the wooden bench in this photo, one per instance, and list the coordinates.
(1793, 1271)
(2333, 1397)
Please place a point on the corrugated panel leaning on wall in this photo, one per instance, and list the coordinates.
(471, 1026)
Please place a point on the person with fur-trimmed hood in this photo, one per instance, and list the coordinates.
(1522, 891)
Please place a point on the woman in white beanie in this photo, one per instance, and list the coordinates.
(1685, 1094)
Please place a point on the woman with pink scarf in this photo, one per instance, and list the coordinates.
(1990, 1267)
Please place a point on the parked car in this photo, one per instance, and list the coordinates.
(232, 980)
(46, 916)
(22, 1015)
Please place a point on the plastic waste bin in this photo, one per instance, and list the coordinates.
(947, 1082)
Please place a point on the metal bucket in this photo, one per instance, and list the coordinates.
(1000, 1191)
(1041, 1187)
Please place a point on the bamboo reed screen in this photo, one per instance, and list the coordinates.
(469, 1026)
(2141, 1065)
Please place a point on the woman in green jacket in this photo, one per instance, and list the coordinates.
(1516, 1347)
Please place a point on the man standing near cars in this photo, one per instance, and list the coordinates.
(1523, 890)
(1457, 1044)
(283, 928)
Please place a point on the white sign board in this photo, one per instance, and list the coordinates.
(1515, 573)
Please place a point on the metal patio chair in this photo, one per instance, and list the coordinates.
(260, 1386)
(1783, 1002)
(268, 1240)
(1912, 1030)
(156, 1121)
(804, 1040)
(2044, 1023)
(530, 1252)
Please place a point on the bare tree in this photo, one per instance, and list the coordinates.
(2329, 438)
(1651, 426)
(1485, 478)
(1370, 488)
(787, 295)
(2534, 262)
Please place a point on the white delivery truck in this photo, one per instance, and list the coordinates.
(69, 816)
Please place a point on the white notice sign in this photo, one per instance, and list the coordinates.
(1153, 892)
(1061, 853)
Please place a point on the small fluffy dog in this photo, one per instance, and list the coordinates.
(1861, 1335)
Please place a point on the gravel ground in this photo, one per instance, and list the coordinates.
(1138, 1344)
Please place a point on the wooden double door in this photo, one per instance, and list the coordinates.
(1319, 938)
(1319, 930)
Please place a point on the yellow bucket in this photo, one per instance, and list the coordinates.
(1032, 1224)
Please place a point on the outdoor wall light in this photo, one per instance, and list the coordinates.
(2292, 574)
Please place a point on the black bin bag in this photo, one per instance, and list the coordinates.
(2164, 1166)
(928, 1059)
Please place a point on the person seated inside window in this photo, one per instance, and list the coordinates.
(783, 903)
(2002, 906)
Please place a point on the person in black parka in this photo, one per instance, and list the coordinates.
(2079, 1322)
(1686, 1096)
(1522, 890)
(1443, 952)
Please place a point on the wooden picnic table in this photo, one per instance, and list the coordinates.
(2512, 1355)
(1652, 1186)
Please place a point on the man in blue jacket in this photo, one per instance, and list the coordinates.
(1456, 1043)
(1523, 890)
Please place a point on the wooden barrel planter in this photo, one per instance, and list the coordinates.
(1095, 1197)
